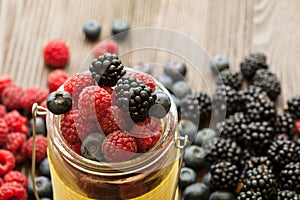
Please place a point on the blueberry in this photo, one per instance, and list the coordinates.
(43, 186)
(120, 28)
(161, 106)
(219, 63)
(187, 177)
(221, 195)
(91, 146)
(176, 70)
(40, 126)
(178, 106)
(165, 80)
(143, 67)
(196, 191)
(44, 168)
(207, 178)
(59, 102)
(187, 127)
(203, 136)
(92, 30)
(45, 198)
(194, 157)
(181, 89)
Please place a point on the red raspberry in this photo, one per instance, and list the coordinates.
(146, 143)
(297, 126)
(93, 102)
(2, 111)
(21, 156)
(1, 182)
(5, 80)
(31, 96)
(55, 79)
(76, 148)
(16, 122)
(17, 177)
(3, 131)
(119, 146)
(56, 54)
(11, 97)
(13, 190)
(105, 46)
(41, 148)
(145, 78)
(7, 162)
(74, 128)
(15, 142)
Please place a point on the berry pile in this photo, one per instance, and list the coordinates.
(254, 153)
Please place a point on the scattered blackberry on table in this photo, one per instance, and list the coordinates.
(230, 78)
(224, 176)
(59, 102)
(287, 195)
(194, 157)
(221, 195)
(107, 69)
(251, 63)
(187, 177)
(268, 81)
(249, 195)
(219, 63)
(255, 162)
(120, 29)
(196, 191)
(290, 176)
(284, 124)
(92, 30)
(176, 70)
(293, 107)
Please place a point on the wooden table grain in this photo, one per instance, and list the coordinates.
(232, 27)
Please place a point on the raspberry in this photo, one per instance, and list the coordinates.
(7, 162)
(11, 97)
(1, 182)
(2, 111)
(14, 143)
(17, 177)
(3, 131)
(40, 148)
(12, 191)
(106, 46)
(55, 79)
(5, 80)
(146, 143)
(16, 122)
(145, 78)
(56, 54)
(21, 156)
(74, 128)
(75, 84)
(119, 146)
(33, 95)
(297, 126)
(93, 102)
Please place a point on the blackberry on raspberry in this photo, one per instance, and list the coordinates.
(290, 176)
(224, 176)
(282, 152)
(251, 63)
(284, 124)
(107, 69)
(255, 162)
(268, 81)
(196, 107)
(249, 195)
(287, 195)
(230, 78)
(293, 107)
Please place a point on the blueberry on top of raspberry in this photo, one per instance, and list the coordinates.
(59, 102)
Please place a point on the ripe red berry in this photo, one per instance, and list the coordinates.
(40, 150)
(3, 131)
(119, 146)
(14, 143)
(297, 127)
(17, 177)
(105, 46)
(33, 95)
(56, 54)
(145, 78)
(12, 191)
(11, 96)
(2, 111)
(16, 122)
(55, 79)
(5, 80)
(7, 162)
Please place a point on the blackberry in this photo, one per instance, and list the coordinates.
(233, 127)
(293, 107)
(251, 63)
(268, 81)
(107, 69)
(255, 162)
(134, 97)
(219, 63)
(248, 95)
(225, 99)
(282, 152)
(196, 107)
(287, 195)
(224, 176)
(290, 176)
(230, 78)
(218, 149)
(258, 136)
(249, 195)
(262, 180)
(284, 124)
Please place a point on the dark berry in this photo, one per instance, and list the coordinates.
(92, 30)
(196, 191)
(249, 195)
(143, 67)
(287, 195)
(290, 176)
(187, 127)
(43, 186)
(254, 162)
(59, 102)
(230, 78)
(284, 124)
(120, 29)
(91, 146)
(44, 168)
(187, 177)
(165, 80)
(219, 63)
(251, 63)
(176, 70)
(202, 136)
(293, 107)
(194, 157)
(40, 126)
(221, 195)
(225, 100)
(178, 105)
(161, 106)
(181, 89)
(207, 179)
